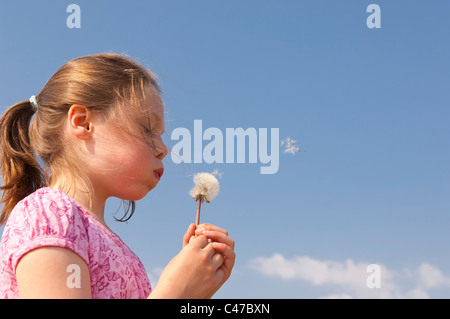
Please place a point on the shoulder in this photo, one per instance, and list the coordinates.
(46, 206)
(45, 218)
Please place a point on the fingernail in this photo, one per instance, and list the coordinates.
(199, 229)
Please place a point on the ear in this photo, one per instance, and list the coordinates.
(79, 121)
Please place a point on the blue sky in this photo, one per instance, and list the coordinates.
(369, 109)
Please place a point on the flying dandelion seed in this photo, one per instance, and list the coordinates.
(217, 173)
(206, 189)
(289, 146)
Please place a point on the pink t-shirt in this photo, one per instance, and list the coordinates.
(49, 217)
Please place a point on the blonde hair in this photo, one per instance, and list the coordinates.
(102, 83)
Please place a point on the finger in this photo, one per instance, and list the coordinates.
(220, 274)
(224, 249)
(190, 232)
(209, 249)
(199, 241)
(217, 260)
(217, 237)
(212, 227)
(227, 266)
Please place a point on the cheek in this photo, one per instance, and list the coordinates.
(142, 160)
(128, 159)
(125, 154)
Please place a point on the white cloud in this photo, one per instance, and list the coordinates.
(431, 277)
(350, 277)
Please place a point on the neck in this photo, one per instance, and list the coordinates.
(87, 197)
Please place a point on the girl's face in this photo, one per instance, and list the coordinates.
(128, 168)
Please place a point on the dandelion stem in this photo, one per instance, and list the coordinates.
(199, 200)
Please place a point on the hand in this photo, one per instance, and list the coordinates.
(223, 244)
(201, 267)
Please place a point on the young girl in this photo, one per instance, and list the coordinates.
(95, 132)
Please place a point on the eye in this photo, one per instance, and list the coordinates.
(147, 130)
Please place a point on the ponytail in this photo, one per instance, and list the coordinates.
(21, 173)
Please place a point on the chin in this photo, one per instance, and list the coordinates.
(136, 193)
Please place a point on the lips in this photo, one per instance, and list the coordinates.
(158, 173)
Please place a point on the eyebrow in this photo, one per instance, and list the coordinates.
(158, 121)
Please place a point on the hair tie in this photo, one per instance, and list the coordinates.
(34, 103)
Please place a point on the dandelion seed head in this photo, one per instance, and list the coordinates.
(206, 186)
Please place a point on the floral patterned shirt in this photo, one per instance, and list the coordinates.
(49, 217)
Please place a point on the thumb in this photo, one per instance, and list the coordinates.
(190, 232)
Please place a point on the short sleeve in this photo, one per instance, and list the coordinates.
(45, 219)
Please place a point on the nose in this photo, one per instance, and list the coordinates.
(160, 150)
(162, 154)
